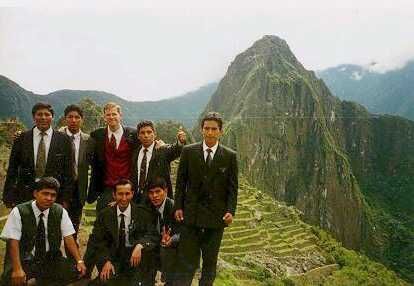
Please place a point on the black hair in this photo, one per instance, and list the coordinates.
(122, 182)
(157, 182)
(214, 116)
(145, 123)
(47, 183)
(42, 105)
(73, 107)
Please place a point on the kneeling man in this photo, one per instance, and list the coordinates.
(34, 232)
(121, 238)
(165, 255)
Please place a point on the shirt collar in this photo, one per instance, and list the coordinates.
(37, 131)
(161, 208)
(117, 133)
(37, 211)
(150, 148)
(214, 148)
(77, 135)
(127, 212)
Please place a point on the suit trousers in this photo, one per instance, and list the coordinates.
(196, 242)
(53, 271)
(125, 274)
(75, 211)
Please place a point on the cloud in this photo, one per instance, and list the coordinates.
(391, 63)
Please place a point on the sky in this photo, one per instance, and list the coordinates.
(149, 50)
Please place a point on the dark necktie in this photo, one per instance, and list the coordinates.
(40, 240)
(160, 222)
(143, 170)
(73, 137)
(113, 142)
(41, 156)
(209, 158)
(122, 235)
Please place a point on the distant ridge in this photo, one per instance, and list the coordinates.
(16, 101)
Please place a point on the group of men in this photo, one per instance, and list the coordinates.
(139, 228)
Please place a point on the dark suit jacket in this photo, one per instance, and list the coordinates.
(83, 165)
(20, 178)
(104, 240)
(159, 165)
(206, 194)
(168, 219)
(97, 159)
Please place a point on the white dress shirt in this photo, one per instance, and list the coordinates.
(76, 142)
(161, 212)
(213, 149)
(36, 141)
(118, 135)
(141, 155)
(127, 219)
(13, 227)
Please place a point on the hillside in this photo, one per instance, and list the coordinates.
(348, 171)
(390, 92)
(16, 101)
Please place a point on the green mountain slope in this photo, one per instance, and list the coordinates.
(348, 171)
(16, 101)
(390, 92)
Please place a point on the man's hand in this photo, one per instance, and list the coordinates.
(166, 237)
(107, 271)
(158, 144)
(228, 218)
(18, 277)
(136, 255)
(111, 204)
(181, 137)
(179, 215)
(17, 134)
(80, 266)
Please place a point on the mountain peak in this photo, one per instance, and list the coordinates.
(269, 52)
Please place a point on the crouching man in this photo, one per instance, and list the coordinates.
(34, 232)
(121, 238)
(165, 255)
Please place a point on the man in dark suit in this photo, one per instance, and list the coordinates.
(74, 120)
(121, 238)
(149, 162)
(112, 148)
(36, 153)
(165, 255)
(205, 201)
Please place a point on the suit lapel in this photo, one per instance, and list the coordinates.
(52, 150)
(114, 227)
(216, 158)
(202, 161)
(29, 140)
(151, 163)
(82, 148)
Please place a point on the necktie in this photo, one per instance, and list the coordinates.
(143, 170)
(41, 156)
(113, 142)
(209, 159)
(122, 235)
(160, 222)
(40, 240)
(73, 137)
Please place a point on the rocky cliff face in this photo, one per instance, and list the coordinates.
(306, 147)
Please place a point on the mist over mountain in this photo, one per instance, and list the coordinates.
(16, 101)
(390, 92)
(348, 171)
